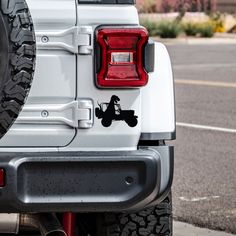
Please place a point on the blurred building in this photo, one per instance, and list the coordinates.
(226, 6)
(149, 6)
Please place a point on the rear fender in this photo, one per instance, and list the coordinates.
(158, 102)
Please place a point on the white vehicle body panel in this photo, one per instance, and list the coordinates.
(54, 81)
(158, 104)
(63, 77)
(52, 14)
(119, 136)
(107, 14)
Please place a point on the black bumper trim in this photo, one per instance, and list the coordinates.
(82, 181)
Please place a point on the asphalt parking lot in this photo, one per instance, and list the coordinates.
(204, 189)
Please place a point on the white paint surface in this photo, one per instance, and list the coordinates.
(158, 105)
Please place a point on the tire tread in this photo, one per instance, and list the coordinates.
(22, 61)
(155, 221)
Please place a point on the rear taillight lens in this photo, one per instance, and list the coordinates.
(121, 57)
(2, 177)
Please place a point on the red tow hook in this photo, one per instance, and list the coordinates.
(69, 223)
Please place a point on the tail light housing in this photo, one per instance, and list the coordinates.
(121, 57)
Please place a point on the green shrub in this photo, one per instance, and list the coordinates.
(190, 28)
(151, 26)
(163, 29)
(206, 29)
(168, 29)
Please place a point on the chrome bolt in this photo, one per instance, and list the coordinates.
(45, 39)
(44, 113)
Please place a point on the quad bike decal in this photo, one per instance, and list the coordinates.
(112, 111)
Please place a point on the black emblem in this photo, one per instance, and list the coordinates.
(112, 111)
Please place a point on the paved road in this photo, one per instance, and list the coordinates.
(183, 229)
(205, 172)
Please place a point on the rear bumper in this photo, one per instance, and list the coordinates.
(85, 181)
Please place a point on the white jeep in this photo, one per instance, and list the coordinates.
(90, 139)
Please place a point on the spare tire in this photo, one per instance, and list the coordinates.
(17, 59)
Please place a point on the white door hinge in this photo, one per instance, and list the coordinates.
(77, 40)
(76, 114)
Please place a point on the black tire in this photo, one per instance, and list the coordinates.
(106, 122)
(17, 59)
(131, 122)
(155, 221)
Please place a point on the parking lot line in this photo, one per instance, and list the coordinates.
(205, 127)
(205, 83)
(203, 66)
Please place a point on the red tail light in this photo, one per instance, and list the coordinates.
(122, 57)
(2, 177)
